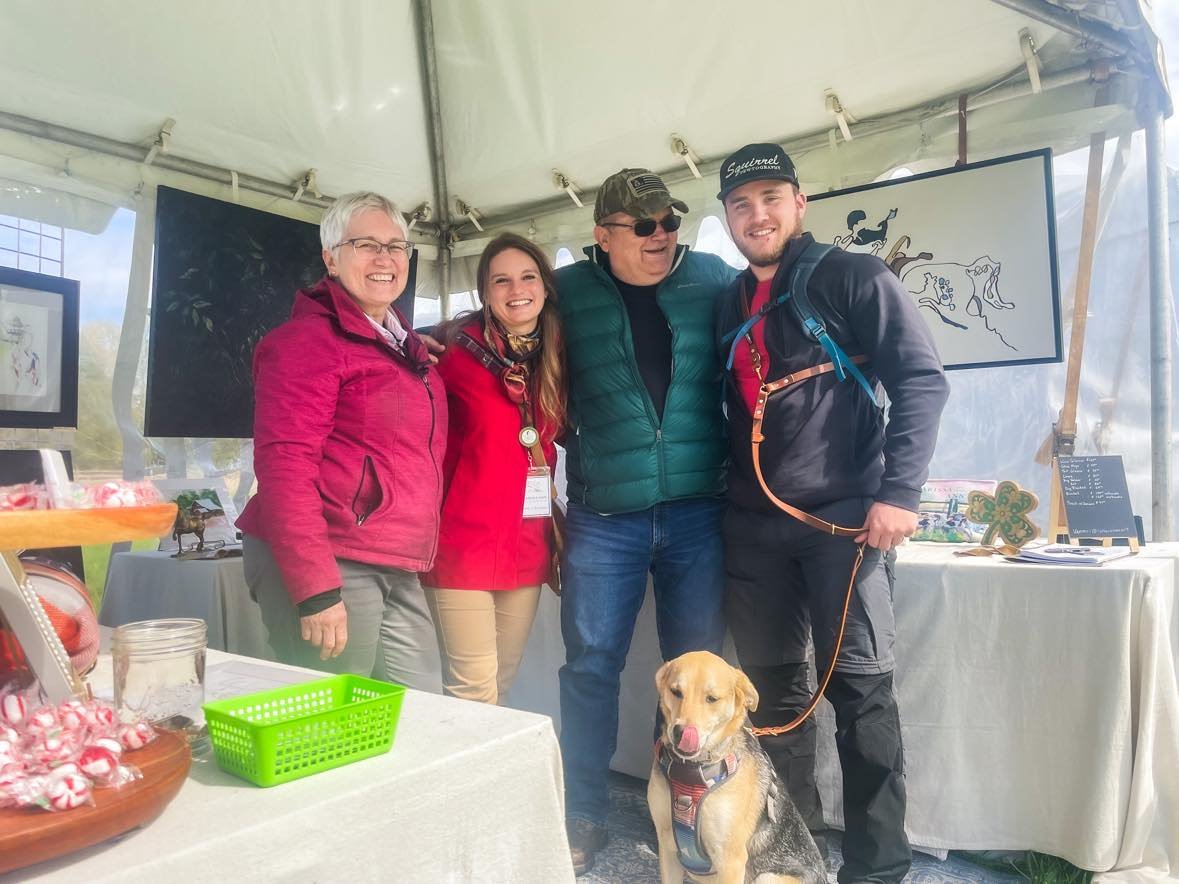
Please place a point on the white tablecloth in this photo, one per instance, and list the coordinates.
(1039, 706)
(468, 793)
(151, 585)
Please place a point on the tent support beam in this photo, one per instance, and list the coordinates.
(136, 153)
(1161, 407)
(947, 106)
(424, 18)
(1074, 24)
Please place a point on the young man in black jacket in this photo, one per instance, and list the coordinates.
(828, 451)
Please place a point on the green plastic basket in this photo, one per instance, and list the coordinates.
(281, 735)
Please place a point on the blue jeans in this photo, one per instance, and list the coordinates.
(604, 580)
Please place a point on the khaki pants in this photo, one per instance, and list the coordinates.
(481, 637)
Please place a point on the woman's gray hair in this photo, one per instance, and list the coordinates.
(336, 219)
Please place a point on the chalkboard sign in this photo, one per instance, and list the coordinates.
(1096, 499)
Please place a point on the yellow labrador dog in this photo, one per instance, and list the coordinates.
(721, 811)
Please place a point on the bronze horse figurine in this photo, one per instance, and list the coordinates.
(192, 521)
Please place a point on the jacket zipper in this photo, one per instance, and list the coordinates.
(434, 460)
(638, 377)
(367, 467)
(670, 381)
(745, 305)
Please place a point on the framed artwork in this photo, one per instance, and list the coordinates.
(38, 350)
(224, 275)
(974, 245)
(205, 514)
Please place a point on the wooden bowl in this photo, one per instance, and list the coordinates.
(29, 836)
(29, 529)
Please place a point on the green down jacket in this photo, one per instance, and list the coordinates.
(620, 457)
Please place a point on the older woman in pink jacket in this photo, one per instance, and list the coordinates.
(349, 438)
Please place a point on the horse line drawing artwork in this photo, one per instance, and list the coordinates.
(948, 236)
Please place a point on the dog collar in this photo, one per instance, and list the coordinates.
(690, 782)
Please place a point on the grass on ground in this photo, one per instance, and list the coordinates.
(95, 560)
(1038, 868)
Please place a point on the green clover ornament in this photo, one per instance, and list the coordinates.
(1004, 514)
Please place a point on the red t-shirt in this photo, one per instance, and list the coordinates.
(747, 381)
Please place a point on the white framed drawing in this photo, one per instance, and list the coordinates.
(38, 350)
(974, 245)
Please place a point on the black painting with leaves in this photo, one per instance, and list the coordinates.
(224, 276)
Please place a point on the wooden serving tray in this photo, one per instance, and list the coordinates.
(28, 529)
(32, 835)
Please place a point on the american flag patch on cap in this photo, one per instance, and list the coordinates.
(648, 182)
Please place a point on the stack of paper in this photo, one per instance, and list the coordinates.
(1063, 554)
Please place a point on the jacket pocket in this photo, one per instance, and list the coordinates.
(369, 495)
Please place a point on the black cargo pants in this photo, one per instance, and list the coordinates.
(785, 584)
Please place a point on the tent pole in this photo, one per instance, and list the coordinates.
(1160, 325)
(137, 153)
(947, 106)
(1072, 23)
(424, 14)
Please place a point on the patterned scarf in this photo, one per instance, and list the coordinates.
(515, 352)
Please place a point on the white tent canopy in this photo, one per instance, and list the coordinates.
(488, 103)
(526, 87)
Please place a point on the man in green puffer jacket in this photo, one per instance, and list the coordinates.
(645, 461)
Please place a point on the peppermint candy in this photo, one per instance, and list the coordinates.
(98, 763)
(13, 708)
(136, 736)
(101, 716)
(65, 791)
(72, 715)
(50, 751)
(42, 720)
(111, 744)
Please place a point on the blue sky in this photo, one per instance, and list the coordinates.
(102, 264)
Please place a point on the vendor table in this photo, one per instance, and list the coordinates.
(149, 585)
(1039, 706)
(468, 793)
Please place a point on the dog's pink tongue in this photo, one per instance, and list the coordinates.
(689, 741)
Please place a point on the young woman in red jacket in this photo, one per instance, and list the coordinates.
(505, 394)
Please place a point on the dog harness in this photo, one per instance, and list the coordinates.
(690, 784)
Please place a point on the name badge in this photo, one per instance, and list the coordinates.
(538, 496)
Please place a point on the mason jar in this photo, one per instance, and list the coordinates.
(160, 673)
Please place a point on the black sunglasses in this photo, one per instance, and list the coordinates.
(646, 226)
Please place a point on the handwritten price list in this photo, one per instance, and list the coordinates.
(1096, 499)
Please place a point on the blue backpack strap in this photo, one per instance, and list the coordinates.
(809, 317)
(743, 329)
(800, 301)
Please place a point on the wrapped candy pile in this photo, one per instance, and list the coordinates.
(52, 757)
(35, 496)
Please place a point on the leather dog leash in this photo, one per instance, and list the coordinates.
(757, 437)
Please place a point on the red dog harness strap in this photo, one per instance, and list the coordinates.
(689, 784)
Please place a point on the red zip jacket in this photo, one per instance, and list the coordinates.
(485, 542)
(349, 439)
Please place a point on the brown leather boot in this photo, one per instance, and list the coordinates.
(585, 840)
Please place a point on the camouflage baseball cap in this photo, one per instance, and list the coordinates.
(638, 192)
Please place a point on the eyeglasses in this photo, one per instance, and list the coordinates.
(371, 248)
(646, 226)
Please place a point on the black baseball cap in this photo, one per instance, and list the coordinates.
(755, 162)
